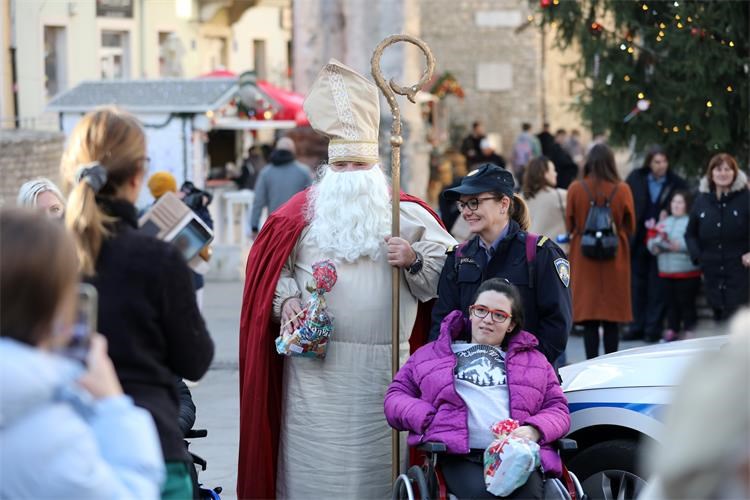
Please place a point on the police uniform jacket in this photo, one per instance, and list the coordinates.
(544, 288)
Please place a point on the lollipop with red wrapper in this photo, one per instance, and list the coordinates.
(311, 338)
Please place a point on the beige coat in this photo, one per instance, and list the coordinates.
(547, 211)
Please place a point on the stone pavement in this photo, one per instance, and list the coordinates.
(217, 395)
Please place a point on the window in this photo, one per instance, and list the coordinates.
(114, 55)
(259, 58)
(54, 60)
(215, 57)
(170, 55)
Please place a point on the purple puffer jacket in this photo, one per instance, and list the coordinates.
(422, 399)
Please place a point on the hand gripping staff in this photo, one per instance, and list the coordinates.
(390, 89)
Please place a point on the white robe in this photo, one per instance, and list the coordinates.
(335, 441)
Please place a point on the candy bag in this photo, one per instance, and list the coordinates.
(508, 461)
(311, 338)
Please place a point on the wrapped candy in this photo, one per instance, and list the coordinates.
(311, 338)
(508, 461)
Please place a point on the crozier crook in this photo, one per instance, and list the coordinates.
(390, 89)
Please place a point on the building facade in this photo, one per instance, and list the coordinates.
(509, 71)
(60, 44)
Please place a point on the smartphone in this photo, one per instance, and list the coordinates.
(85, 323)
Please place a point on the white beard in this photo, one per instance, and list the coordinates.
(350, 213)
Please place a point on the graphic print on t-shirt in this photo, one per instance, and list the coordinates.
(481, 365)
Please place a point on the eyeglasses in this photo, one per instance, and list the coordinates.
(481, 312)
(473, 203)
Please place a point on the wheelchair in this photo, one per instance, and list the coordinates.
(425, 481)
(200, 492)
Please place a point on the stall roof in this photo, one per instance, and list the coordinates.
(148, 96)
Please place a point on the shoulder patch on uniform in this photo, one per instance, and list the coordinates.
(542, 241)
(562, 266)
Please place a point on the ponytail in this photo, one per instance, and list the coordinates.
(107, 148)
(87, 223)
(519, 212)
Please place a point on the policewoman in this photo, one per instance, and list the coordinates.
(500, 247)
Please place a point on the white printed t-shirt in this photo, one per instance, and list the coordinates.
(481, 383)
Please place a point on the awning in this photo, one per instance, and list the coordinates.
(287, 104)
(290, 103)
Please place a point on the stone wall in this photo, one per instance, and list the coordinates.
(27, 154)
(497, 59)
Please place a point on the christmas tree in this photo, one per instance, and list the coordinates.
(670, 73)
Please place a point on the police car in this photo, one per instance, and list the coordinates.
(617, 402)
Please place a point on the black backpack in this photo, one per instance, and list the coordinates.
(599, 239)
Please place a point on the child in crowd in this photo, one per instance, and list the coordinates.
(453, 392)
(682, 278)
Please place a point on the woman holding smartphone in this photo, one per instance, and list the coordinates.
(147, 307)
(66, 430)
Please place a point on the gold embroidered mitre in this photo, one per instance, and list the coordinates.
(343, 105)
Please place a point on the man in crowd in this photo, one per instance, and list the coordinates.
(567, 169)
(280, 180)
(652, 185)
(470, 146)
(574, 147)
(321, 421)
(546, 140)
(525, 148)
(487, 148)
(163, 182)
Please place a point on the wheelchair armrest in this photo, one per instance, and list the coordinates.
(566, 445)
(432, 447)
(196, 433)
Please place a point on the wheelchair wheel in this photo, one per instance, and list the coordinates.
(412, 485)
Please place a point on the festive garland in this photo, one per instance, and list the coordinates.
(446, 84)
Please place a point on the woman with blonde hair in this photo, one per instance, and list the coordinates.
(545, 200)
(43, 194)
(147, 307)
(502, 247)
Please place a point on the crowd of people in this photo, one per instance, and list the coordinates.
(545, 244)
(675, 238)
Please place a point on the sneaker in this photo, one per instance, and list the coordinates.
(670, 335)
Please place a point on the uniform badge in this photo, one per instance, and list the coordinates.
(563, 271)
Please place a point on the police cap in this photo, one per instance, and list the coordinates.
(488, 178)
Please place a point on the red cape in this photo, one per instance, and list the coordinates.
(260, 365)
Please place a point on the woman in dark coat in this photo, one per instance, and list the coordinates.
(147, 307)
(718, 235)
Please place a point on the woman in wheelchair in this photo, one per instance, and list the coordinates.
(452, 392)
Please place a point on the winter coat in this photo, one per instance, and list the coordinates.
(58, 442)
(638, 182)
(601, 288)
(423, 400)
(148, 313)
(567, 169)
(187, 407)
(717, 236)
(673, 264)
(543, 285)
(277, 183)
(547, 212)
